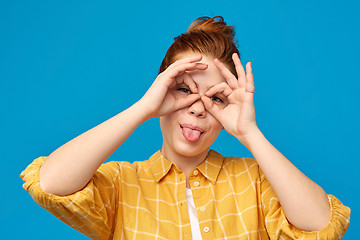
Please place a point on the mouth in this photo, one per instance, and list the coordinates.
(192, 127)
(190, 132)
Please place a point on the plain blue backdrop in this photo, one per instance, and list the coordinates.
(66, 66)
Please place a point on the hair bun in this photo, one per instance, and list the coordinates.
(215, 25)
(208, 36)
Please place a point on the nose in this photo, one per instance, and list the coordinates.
(197, 109)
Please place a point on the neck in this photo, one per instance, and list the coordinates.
(185, 163)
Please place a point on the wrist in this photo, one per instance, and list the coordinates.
(249, 138)
(143, 110)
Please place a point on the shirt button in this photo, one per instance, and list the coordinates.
(196, 172)
(196, 184)
(202, 209)
(206, 229)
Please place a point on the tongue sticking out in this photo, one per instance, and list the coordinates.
(190, 134)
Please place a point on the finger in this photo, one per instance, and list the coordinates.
(190, 82)
(238, 66)
(211, 107)
(180, 69)
(186, 101)
(229, 77)
(195, 58)
(250, 86)
(219, 88)
(239, 70)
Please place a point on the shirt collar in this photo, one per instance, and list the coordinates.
(159, 165)
(210, 168)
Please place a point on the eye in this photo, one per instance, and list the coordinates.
(183, 89)
(216, 99)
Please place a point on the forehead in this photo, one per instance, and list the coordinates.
(205, 78)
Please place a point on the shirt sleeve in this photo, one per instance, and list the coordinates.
(279, 227)
(91, 210)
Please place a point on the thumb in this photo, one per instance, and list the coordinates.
(211, 107)
(186, 101)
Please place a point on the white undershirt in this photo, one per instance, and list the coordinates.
(195, 227)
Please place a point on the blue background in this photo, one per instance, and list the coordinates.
(66, 66)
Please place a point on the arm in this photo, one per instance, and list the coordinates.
(70, 167)
(305, 204)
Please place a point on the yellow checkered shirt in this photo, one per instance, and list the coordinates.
(146, 200)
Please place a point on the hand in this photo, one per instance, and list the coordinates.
(238, 117)
(160, 100)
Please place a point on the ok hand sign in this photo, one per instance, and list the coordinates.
(160, 100)
(238, 117)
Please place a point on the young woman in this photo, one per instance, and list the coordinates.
(185, 190)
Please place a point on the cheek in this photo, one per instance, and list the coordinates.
(169, 121)
(216, 128)
(164, 122)
(215, 124)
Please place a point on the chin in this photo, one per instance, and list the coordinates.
(189, 149)
(174, 141)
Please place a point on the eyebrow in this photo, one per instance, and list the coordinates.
(207, 87)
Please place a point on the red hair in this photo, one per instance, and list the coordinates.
(208, 36)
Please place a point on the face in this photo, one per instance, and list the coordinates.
(190, 131)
